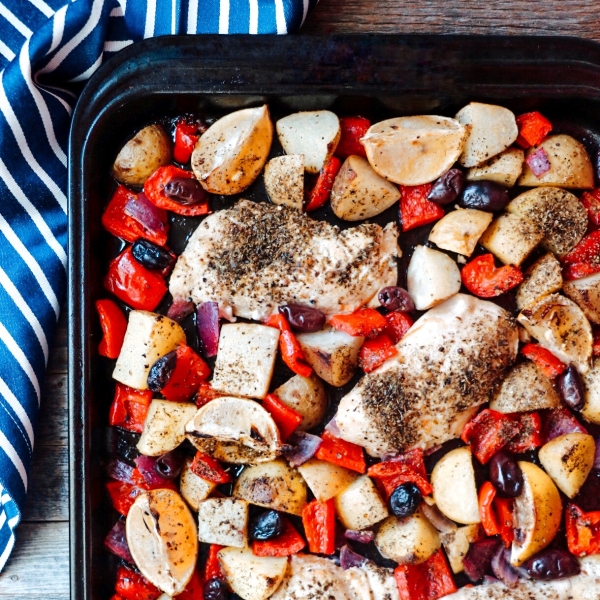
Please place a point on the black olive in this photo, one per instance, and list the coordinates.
(571, 389)
(161, 371)
(396, 298)
(151, 256)
(552, 564)
(303, 318)
(266, 526)
(185, 191)
(405, 500)
(447, 188)
(506, 475)
(169, 465)
(215, 589)
(484, 195)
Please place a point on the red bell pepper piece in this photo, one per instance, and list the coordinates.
(291, 351)
(375, 352)
(194, 589)
(186, 136)
(390, 474)
(591, 202)
(584, 259)
(322, 188)
(352, 129)
(482, 278)
(583, 531)
(209, 469)
(120, 224)
(318, 519)
(488, 432)
(288, 543)
(429, 580)
(122, 495)
(415, 209)
(340, 452)
(189, 372)
(129, 408)
(117, 597)
(398, 324)
(489, 520)
(530, 433)
(212, 568)
(286, 418)
(153, 188)
(544, 359)
(533, 128)
(596, 342)
(504, 513)
(364, 322)
(113, 324)
(134, 586)
(205, 394)
(133, 284)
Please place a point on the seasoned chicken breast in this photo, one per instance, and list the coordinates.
(257, 257)
(451, 361)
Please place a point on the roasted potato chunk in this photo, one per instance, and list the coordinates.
(284, 180)
(542, 278)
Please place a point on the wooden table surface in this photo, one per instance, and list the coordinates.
(39, 565)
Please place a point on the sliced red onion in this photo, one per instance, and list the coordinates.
(559, 422)
(364, 537)
(333, 428)
(596, 464)
(538, 162)
(144, 212)
(487, 580)
(147, 467)
(301, 447)
(207, 315)
(169, 465)
(502, 568)
(478, 559)
(442, 523)
(349, 558)
(116, 542)
(119, 470)
(432, 450)
(180, 309)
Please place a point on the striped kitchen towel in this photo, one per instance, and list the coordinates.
(47, 49)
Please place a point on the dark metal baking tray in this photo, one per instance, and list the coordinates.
(373, 74)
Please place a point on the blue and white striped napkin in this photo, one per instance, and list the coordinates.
(47, 48)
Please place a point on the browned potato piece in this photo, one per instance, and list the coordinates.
(504, 168)
(542, 278)
(586, 293)
(307, 396)
(460, 230)
(146, 151)
(284, 180)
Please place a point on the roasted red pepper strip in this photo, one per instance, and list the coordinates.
(286, 418)
(129, 408)
(504, 514)
(415, 209)
(133, 586)
(322, 189)
(583, 531)
(489, 520)
(288, 543)
(190, 371)
(482, 278)
(193, 590)
(318, 519)
(429, 580)
(133, 284)
(364, 322)
(186, 136)
(530, 433)
(544, 359)
(120, 224)
(117, 597)
(122, 495)
(209, 469)
(591, 202)
(114, 325)
(488, 432)
(533, 128)
(351, 130)
(205, 394)
(375, 352)
(389, 475)
(340, 452)
(584, 259)
(398, 324)
(291, 351)
(154, 190)
(212, 569)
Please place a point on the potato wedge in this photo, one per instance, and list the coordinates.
(460, 230)
(560, 326)
(305, 395)
(585, 292)
(414, 150)
(146, 151)
(360, 506)
(315, 134)
(557, 213)
(325, 479)
(491, 129)
(223, 521)
(194, 489)
(570, 164)
(359, 192)
(591, 408)
(432, 277)
(229, 156)
(284, 180)
(504, 168)
(542, 278)
(456, 544)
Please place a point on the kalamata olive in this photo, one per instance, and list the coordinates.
(447, 188)
(396, 298)
(506, 475)
(169, 465)
(266, 526)
(571, 389)
(161, 371)
(303, 318)
(185, 191)
(405, 500)
(484, 195)
(552, 564)
(151, 256)
(215, 589)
